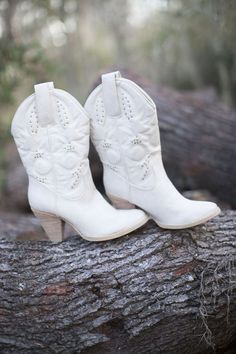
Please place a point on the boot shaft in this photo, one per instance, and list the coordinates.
(124, 130)
(51, 131)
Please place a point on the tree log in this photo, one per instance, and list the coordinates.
(154, 291)
(198, 142)
(198, 139)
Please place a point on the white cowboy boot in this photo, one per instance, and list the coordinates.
(51, 131)
(124, 130)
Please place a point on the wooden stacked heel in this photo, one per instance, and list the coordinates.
(52, 225)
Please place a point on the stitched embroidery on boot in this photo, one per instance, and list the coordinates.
(33, 121)
(69, 148)
(62, 114)
(99, 110)
(126, 106)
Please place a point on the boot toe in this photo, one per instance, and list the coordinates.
(200, 212)
(132, 219)
(118, 223)
(191, 214)
(208, 208)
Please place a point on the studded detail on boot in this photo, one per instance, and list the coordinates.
(51, 131)
(125, 132)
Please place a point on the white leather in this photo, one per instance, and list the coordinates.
(129, 147)
(43, 99)
(51, 131)
(110, 95)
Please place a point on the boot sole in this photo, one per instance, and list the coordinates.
(186, 226)
(53, 227)
(120, 203)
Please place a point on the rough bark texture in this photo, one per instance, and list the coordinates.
(155, 291)
(198, 139)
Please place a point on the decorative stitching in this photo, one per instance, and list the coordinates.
(138, 145)
(33, 146)
(33, 121)
(126, 106)
(62, 114)
(99, 110)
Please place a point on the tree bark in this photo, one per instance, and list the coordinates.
(155, 291)
(198, 139)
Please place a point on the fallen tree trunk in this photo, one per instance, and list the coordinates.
(198, 139)
(155, 291)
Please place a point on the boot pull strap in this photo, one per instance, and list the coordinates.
(44, 102)
(110, 94)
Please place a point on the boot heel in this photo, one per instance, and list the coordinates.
(52, 225)
(119, 203)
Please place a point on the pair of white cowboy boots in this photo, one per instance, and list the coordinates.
(51, 130)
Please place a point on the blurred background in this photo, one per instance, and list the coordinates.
(179, 44)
